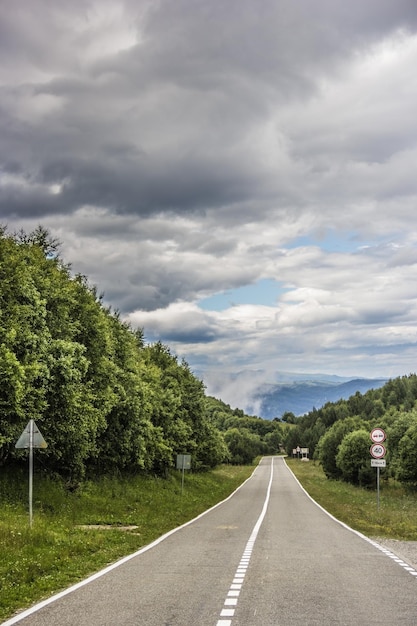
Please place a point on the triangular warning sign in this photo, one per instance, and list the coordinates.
(37, 440)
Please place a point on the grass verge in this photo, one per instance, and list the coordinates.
(357, 507)
(58, 550)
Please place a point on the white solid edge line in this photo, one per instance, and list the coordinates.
(40, 605)
(387, 552)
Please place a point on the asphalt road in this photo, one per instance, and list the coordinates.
(268, 556)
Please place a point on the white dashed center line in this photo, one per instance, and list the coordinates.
(231, 599)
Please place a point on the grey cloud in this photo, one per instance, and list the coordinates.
(269, 40)
(216, 247)
(193, 336)
(130, 296)
(197, 64)
(178, 148)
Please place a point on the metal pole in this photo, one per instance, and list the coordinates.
(183, 467)
(30, 471)
(377, 485)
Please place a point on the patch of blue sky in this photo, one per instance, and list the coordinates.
(330, 242)
(264, 292)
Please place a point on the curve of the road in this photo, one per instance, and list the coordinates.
(268, 555)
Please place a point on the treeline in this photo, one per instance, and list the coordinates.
(338, 434)
(104, 401)
(246, 436)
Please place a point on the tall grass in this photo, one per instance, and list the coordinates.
(59, 550)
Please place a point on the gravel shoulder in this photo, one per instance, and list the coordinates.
(406, 550)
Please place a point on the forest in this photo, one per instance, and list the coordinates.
(338, 434)
(104, 400)
(108, 403)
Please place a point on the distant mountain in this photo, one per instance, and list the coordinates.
(299, 397)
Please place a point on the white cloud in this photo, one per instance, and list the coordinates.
(180, 150)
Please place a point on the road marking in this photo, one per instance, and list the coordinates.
(391, 555)
(236, 585)
(109, 568)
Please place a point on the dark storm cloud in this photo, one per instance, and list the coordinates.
(193, 336)
(150, 186)
(162, 125)
(181, 150)
(274, 43)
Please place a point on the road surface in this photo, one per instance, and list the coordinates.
(267, 556)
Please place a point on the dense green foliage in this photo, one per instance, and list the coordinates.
(246, 436)
(338, 433)
(104, 401)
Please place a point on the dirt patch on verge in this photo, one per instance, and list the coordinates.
(106, 527)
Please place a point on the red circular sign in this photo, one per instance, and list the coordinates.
(377, 450)
(378, 435)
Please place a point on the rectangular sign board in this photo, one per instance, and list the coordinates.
(378, 463)
(183, 461)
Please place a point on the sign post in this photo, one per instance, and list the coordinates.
(378, 452)
(183, 463)
(31, 438)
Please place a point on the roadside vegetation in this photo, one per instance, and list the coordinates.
(105, 400)
(116, 412)
(339, 475)
(109, 405)
(396, 517)
(77, 533)
(338, 434)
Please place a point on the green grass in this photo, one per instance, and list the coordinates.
(56, 552)
(357, 507)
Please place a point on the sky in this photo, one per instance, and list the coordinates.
(236, 177)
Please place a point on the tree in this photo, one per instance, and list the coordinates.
(24, 340)
(406, 469)
(289, 417)
(353, 458)
(243, 446)
(396, 425)
(212, 449)
(12, 389)
(179, 407)
(71, 420)
(273, 441)
(104, 401)
(329, 443)
(40, 238)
